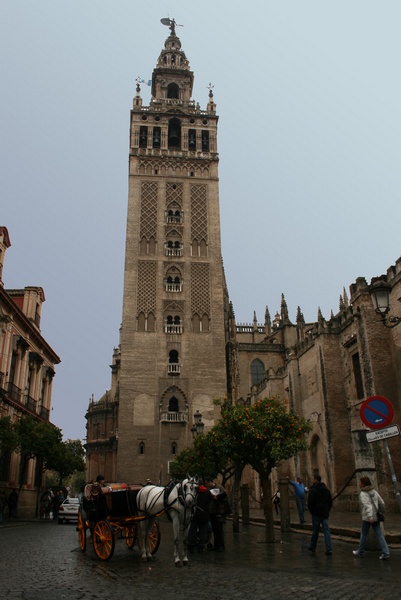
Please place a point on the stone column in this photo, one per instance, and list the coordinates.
(245, 504)
(284, 504)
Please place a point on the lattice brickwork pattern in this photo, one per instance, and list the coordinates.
(198, 212)
(148, 227)
(171, 168)
(200, 289)
(174, 193)
(146, 301)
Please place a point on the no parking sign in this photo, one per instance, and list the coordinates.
(376, 412)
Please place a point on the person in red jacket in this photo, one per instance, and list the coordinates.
(199, 529)
(217, 512)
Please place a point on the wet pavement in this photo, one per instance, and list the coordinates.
(41, 560)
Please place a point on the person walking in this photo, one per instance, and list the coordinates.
(320, 502)
(12, 502)
(300, 495)
(370, 503)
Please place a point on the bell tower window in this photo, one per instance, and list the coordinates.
(143, 137)
(205, 141)
(173, 91)
(156, 137)
(174, 133)
(192, 139)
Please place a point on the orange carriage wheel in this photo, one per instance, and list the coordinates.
(154, 538)
(130, 535)
(103, 540)
(81, 528)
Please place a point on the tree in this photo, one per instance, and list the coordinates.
(8, 441)
(205, 458)
(263, 435)
(8, 436)
(67, 459)
(36, 439)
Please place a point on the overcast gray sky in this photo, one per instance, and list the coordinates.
(308, 94)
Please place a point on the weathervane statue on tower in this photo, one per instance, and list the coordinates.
(171, 24)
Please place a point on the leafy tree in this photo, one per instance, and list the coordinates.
(8, 440)
(206, 457)
(263, 435)
(36, 439)
(67, 458)
(8, 436)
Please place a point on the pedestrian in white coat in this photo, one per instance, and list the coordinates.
(370, 503)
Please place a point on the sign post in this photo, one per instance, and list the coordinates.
(377, 412)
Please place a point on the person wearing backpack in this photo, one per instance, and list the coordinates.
(319, 505)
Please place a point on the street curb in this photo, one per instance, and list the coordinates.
(347, 534)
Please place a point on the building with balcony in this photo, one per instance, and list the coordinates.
(27, 369)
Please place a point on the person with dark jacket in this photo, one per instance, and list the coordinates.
(319, 505)
(12, 502)
(199, 529)
(217, 514)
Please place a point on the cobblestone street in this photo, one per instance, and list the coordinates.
(42, 561)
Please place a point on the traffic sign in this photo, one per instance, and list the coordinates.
(381, 434)
(376, 412)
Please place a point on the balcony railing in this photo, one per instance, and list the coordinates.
(173, 329)
(173, 287)
(174, 218)
(14, 392)
(31, 404)
(44, 413)
(173, 251)
(173, 369)
(173, 417)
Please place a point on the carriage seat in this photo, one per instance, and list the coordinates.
(115, 499)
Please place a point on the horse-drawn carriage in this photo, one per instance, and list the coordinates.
(110, 513)
(130, 512)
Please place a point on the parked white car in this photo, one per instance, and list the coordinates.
(68, 510)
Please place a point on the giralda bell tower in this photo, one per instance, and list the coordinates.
(173, 334)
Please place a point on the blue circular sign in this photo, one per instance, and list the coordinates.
(376, 412)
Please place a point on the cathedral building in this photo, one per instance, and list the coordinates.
(325, 371)
(180, 346)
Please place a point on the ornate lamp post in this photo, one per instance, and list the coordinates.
(198, 426)
(380, 295)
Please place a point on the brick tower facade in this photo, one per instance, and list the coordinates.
(172, 335)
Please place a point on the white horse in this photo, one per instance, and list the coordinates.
(176, 499)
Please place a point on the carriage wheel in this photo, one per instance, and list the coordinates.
(81, 528)
(103, 540)
(154, 538)
(130, 535)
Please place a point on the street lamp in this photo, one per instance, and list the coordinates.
(380, 295)
(198, 426)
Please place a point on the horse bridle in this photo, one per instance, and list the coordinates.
(182, 496)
